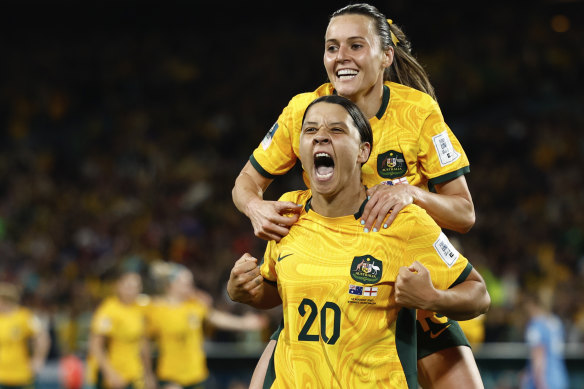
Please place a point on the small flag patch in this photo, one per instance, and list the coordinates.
(354, 289)
(370, 291)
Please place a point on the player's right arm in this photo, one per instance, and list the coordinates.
(267, 217)
(246, 285)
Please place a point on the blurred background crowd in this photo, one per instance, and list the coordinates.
(124, 124)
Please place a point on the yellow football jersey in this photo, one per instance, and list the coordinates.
(16, 329)
(124, 327)
(342, 327)
(411, 141)
(178, 331)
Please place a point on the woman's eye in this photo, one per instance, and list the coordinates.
(309, 129)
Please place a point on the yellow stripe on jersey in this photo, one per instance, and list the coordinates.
(411, 141)
(336, 284)
(16, 329)
(124, 327)
(178, 331)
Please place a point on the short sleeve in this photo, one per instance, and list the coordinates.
(533, 335)
(275, 154)
(431, 247)
(441, 155)
(102, 322)
(268, 266)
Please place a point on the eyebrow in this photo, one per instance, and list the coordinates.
(329, 124)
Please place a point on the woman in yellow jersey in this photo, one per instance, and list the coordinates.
(176, 322)
(368, 59)
(119, 356)
(18, 326)
(348, 296)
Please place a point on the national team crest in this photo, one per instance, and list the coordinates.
(391, 164)
(366, 269)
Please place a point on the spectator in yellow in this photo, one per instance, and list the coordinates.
(176, 322)
(18, 326)
(118, 352)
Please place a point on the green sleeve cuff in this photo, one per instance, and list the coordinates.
(259, 168)
(462, 275)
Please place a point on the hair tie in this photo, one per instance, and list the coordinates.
(393, 37)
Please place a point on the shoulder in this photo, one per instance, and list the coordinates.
(414, 214)
(302, 100)
(296, 196)
(409, 95)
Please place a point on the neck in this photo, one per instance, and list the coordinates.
(347, 202)
(370, 100)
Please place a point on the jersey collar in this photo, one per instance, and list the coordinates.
(384, 101)
(357, 215)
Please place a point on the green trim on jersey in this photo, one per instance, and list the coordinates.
(462, 275)
(271, 371)
(259, 168)
(448, 177)
(384, 102)
(405, 344)
(357, 214)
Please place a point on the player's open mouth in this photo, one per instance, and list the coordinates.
(347, 74)
(324, 166)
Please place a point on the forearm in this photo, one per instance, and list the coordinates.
(450, 211)
(464, 301)
(249, 186)
(42, 343)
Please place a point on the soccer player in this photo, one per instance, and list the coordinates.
(175, 322)
(348, 295)
(18, 327)
(119, 356)
(545, 337)
(368, 59)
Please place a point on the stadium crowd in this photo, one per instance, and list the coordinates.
(120, 143)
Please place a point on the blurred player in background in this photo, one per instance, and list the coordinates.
(119, 356)
(176, 323)
(546, 340)
(18, 327)
(416, 159)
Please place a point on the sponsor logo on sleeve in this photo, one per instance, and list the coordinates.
(446, 250)
(444, 148)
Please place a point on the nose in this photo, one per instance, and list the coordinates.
(321, 138)
(342, 53)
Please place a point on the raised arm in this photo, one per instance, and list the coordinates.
(267, 217)
(466, 300)
(451, 206)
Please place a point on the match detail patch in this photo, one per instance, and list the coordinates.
(444, 148)
(446, 250)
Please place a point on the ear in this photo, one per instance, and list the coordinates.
(364, 151)
(388, 57)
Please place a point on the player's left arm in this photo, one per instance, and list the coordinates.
(465, 300)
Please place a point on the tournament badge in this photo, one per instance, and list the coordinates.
(391, 164)
(366, 269)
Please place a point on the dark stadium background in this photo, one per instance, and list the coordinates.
(125, 123)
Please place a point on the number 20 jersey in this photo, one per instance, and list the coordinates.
(342, 327)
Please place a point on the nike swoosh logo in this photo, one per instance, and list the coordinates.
(280, 257)
(437, 334)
